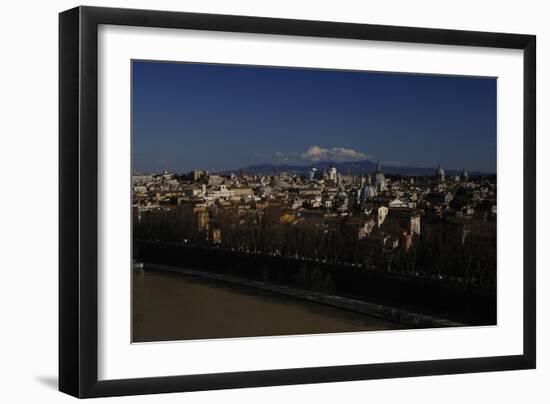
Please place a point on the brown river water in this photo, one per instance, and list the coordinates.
(171, 306)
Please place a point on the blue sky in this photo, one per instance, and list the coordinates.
(189, 116)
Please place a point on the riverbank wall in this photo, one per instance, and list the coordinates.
(398, 316)
(432, 297)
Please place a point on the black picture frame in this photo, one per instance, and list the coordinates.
(78, 201)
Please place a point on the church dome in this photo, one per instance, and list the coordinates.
(369, 192)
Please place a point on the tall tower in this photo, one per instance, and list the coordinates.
(464, 176)
(440, 174)
(379, 179)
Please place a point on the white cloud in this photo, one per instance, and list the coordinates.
(336, 154)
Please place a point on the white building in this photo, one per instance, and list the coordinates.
(220, 192)
(332, 174)
(381, 213)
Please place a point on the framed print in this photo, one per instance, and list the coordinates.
(251, 201)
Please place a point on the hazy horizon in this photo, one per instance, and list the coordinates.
(321, 164)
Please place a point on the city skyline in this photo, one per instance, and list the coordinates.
(249, 115)
(266, 169)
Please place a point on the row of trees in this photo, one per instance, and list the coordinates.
(440, 251)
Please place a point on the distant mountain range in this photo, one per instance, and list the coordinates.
(351, 167)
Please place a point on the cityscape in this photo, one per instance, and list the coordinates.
(283, 201)
(435, 226)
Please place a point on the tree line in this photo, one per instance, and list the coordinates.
(442, 250)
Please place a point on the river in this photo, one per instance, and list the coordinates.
(172, 306)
